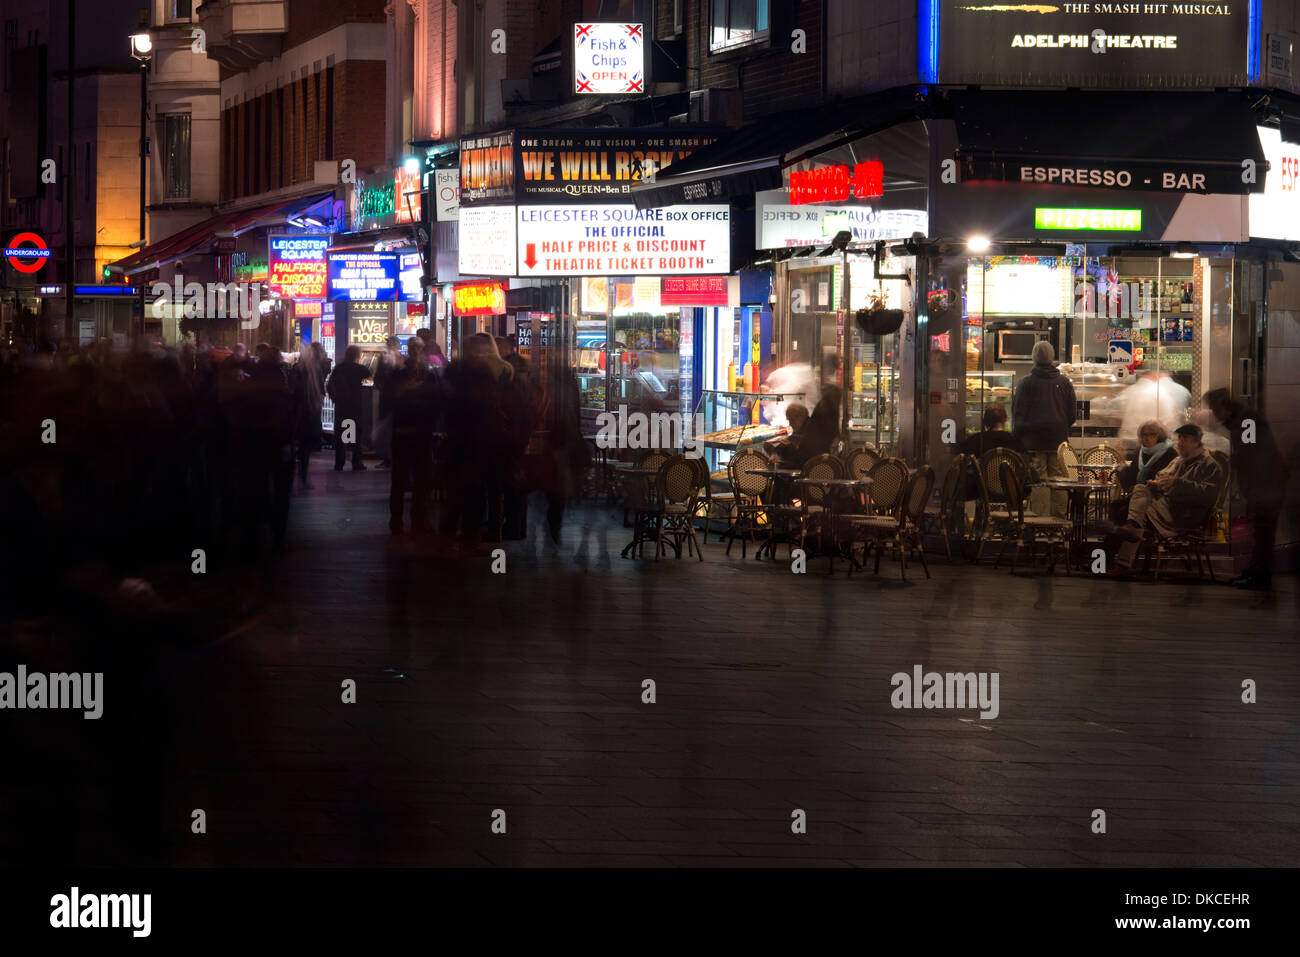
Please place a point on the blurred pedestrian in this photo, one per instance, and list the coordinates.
(1261, 473)
(346, 392)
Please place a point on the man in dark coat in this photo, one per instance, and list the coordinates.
(1261, 474)
(347, 394)
(1043, 410)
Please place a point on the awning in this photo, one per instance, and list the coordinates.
(752, 159)
(1180, 142)
(200, 236)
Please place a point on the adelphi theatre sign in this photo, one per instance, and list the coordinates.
(1094, 42)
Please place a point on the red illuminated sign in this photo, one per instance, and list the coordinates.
(308, 310)
(832, 184)
(693, 291)
(406, 194)
(479, 299)
(416, 309)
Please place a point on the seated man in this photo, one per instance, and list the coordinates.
(1179, 498)
(785, 450)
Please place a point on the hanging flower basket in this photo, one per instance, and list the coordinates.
(879, 322)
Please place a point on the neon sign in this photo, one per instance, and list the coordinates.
(1109, 220)
(479, 299)
(830, 184)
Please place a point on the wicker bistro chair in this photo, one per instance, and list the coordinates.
(950, 509)
(858, 462)
(1054, 531)
(1068, 459)
(672, 506)
(901, 531)
(1192, 541)
(710, 500)
(888, 479)
(991, 471)
(812, 498)
(1100, 455)
(639, 489)
(752, 497)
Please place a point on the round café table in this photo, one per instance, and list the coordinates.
(831, 486)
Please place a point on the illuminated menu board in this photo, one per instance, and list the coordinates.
(1019, 286)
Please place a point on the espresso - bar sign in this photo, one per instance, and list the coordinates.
(487, 168)
(576, 166)
(1188, 177)
(1094, 42)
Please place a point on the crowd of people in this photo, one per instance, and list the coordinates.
(468, 440)
(115, 463)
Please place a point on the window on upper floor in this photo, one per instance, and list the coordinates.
(178, 10)
(735, 23)
(176, 156)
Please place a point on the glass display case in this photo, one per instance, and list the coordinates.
(734, 420)
(984, 389)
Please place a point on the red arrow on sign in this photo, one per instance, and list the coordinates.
(530, 259)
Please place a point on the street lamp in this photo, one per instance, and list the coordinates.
(142, 50)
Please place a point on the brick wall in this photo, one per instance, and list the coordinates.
(772, 78)
(311, 18)
(274, 141)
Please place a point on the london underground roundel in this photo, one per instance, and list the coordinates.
(27, 258)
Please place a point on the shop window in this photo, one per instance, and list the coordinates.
(176, 155)
(735, 23)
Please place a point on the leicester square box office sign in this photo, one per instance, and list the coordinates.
(1091, 43)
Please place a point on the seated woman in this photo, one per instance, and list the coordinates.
(994, 435)
(786, 450)
(1153, 455)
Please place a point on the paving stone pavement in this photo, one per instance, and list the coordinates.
(522, 692)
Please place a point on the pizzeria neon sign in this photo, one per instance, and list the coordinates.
(1108, 220)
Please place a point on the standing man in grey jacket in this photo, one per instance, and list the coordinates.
(1042, 411)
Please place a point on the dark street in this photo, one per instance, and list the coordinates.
(522, 692)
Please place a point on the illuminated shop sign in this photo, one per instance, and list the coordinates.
(693, 291)
(1275, 213)
(296, 266)
(406, 194)
(567, 166)
(1199, 43)
(363, 277)
(834, 184)
(780, 225)
(487, 241)
(308, 310)
(479, 299)
(622, 240)
(487, 168)
(1105, 220)
(608, 58)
